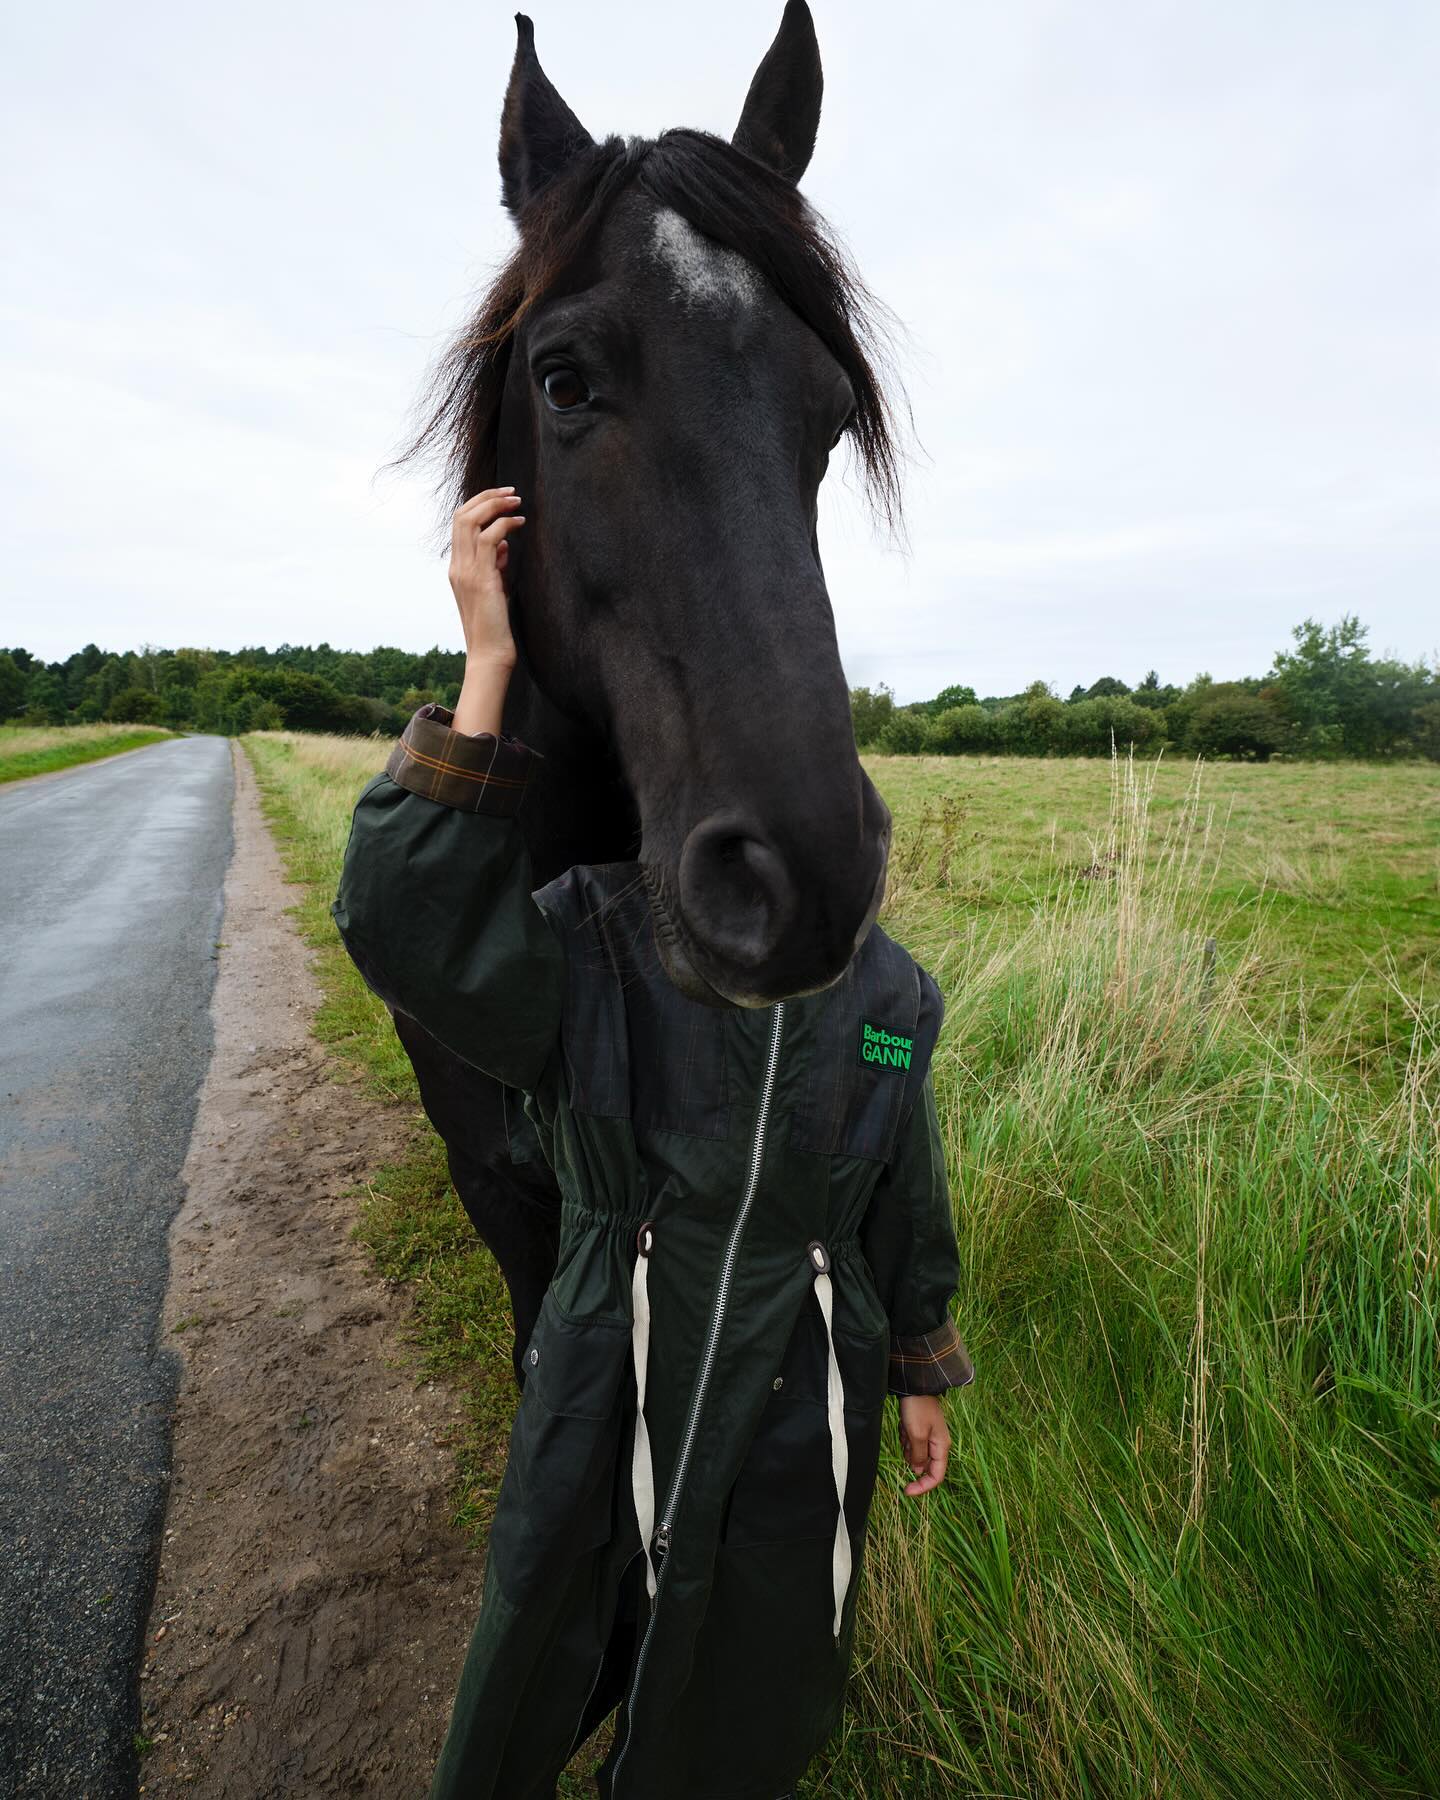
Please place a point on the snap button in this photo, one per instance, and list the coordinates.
(778, 1383)
(534, 1358)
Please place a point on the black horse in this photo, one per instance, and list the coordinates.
(663, 369)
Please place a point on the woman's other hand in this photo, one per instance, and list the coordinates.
(924, 1441)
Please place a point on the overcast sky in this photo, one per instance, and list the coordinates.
(1170, 273)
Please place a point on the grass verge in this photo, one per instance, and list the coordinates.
(410, 1218)
(41, 749)
(1190, 1078)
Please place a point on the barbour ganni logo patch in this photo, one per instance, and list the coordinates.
(884, 1049)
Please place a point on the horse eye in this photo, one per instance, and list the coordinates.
(564, 390)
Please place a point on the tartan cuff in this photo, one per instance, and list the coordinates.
(480, 774)
(930, 1363)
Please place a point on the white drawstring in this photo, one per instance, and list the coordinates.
(642, 1468)
(840, 1561)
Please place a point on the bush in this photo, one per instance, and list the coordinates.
(907, 734)
(1034, 725)
(1090, 727)
(1241, 725)
(135, 706)
(1426, 732)
(961, 729)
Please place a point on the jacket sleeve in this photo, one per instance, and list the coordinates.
(435, 906)
(908, 1236)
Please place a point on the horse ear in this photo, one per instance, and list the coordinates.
(539, 135)
(781, 113)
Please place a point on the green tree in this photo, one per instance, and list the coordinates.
(870, 712)
(1325, 685)
(135, 706)
(12, 686)
(947, 699)
(45, 697)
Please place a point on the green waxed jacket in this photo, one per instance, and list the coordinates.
(743, 1139)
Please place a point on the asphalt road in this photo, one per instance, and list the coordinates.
(110, 905)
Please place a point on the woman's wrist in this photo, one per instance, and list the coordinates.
(481, 705)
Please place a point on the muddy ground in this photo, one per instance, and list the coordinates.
(314, 1601)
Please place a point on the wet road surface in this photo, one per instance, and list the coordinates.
(110, 893)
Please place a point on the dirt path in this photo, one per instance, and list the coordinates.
(313, 1602)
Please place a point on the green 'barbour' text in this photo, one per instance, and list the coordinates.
(886, 1049)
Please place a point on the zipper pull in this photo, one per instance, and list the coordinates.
(662, 1542)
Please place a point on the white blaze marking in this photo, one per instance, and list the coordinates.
(703, 270)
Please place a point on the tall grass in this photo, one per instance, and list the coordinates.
(1189, 1545)
(1190, 1542)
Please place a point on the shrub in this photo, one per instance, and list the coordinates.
(907, 733)
(1241, 725)
(1089, 726)
(1033, 725)
(963, 728)
(135, 706)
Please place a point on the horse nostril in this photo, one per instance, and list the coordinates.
(735, 893)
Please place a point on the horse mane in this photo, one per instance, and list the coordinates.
(726, 195)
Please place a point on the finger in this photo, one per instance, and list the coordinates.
(478, 513)
(485, 495)
(500, 529)
(930, 1471)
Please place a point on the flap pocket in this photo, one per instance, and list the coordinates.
(574, 1366)
(786, 1487)
(557, 1500)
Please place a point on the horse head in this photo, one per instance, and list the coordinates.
(663, 370)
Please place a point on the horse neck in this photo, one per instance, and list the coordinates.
(577, 808)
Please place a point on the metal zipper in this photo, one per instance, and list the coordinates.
(665, 1528)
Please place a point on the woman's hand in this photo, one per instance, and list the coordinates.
(478, 555)
(924, 1441)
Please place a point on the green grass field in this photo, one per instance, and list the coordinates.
(1190, 1077)
(38, 749)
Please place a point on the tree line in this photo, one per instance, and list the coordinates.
(1324, 696)
(295, 687)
